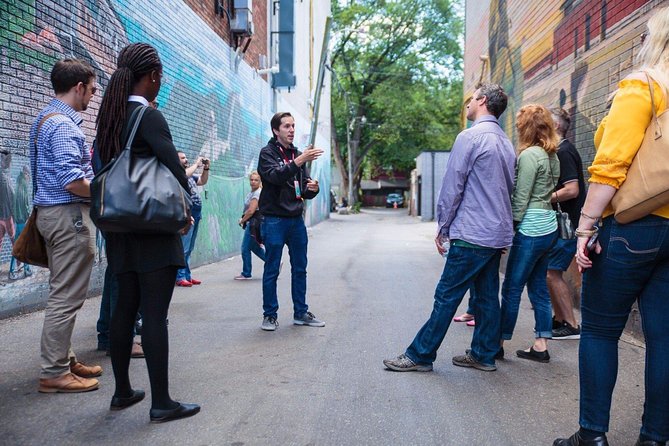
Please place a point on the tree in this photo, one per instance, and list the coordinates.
(398, 82)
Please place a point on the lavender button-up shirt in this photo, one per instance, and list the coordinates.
(475, 198)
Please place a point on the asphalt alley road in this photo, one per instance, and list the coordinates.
(371, 279)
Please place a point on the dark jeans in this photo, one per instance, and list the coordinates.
(633, 265)
(277, 232)
(465, 268)
(188, 241)
(249, 245)
(528, 264)
(107, 305)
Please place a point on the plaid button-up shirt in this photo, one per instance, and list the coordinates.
(62, 155)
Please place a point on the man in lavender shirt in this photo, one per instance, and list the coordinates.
(474, 214)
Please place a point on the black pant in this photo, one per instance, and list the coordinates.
(150, 293)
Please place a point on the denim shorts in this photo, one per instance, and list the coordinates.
(562, 254)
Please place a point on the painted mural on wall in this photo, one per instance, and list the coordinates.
(566, 53)
(214, 109)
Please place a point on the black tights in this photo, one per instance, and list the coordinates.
(150, 293)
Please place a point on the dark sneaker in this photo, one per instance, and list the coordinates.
(468, 360)
(567, 331)
(404, 364)
(576, 440)
(269, 323)
(309, 320)
(534, 355)
(498, 355)
(556, 324)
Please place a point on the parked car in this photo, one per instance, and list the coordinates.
(392, 199)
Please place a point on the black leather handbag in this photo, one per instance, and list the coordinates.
(138, 194)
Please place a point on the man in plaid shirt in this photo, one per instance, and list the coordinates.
(61, 165)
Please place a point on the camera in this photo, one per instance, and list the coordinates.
(205, 161)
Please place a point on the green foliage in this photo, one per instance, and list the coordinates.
(398, 80)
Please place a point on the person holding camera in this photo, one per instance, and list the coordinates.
(536, 228)
(184, 277)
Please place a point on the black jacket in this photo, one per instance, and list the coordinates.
(278, 196)
(143, 253)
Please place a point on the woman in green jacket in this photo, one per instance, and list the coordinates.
(537, 171)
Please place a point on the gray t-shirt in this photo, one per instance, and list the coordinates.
(253, 195)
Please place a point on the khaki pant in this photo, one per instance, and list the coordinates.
(70, 244)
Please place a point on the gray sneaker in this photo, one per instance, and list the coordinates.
(269, 323)
(404, 364)
(309, 320)
(468, 360)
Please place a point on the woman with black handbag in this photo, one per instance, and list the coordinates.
(145, 264)
(536, 229)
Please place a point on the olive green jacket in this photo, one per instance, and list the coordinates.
(537, 173)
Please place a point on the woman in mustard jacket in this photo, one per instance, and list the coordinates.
(629, 262)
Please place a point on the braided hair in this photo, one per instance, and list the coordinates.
(134, 61)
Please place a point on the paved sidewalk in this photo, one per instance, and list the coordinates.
(371, 278)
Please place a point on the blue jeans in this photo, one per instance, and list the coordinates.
(107, 306)
(249, 245)
(188, 241)
(465, 268)
(528, 264)
(633, 265)
(276, 232)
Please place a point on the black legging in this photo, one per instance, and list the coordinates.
(150, 293)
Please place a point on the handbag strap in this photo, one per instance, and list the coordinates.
(658, 129)
(39, 126)
(557, 198)
(137, 117)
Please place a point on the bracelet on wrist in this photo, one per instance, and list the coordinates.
(206, 168)
(583, 214)
(586, 232)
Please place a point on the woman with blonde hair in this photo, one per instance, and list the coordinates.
(626, 262)
(249, 243)
(537, 171)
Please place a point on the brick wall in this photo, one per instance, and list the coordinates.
(558, 53)
(216, 106)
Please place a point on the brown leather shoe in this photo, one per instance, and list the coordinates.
(68, 383)
(137, 350)
(85, 371)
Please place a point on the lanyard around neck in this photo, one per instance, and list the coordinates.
(284, 156)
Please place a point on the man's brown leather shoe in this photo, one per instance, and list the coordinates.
(137, 350)
(68, 383)
(85, 371)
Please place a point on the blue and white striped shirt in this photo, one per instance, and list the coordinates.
(62, 155)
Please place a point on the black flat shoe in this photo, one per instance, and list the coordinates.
(119, 403)
(534, 355)
(576, 440)
(184, 410)
(641, 442)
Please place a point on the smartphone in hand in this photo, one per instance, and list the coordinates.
(591, 243)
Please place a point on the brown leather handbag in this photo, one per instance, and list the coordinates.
(30, 247)
(646, 187)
